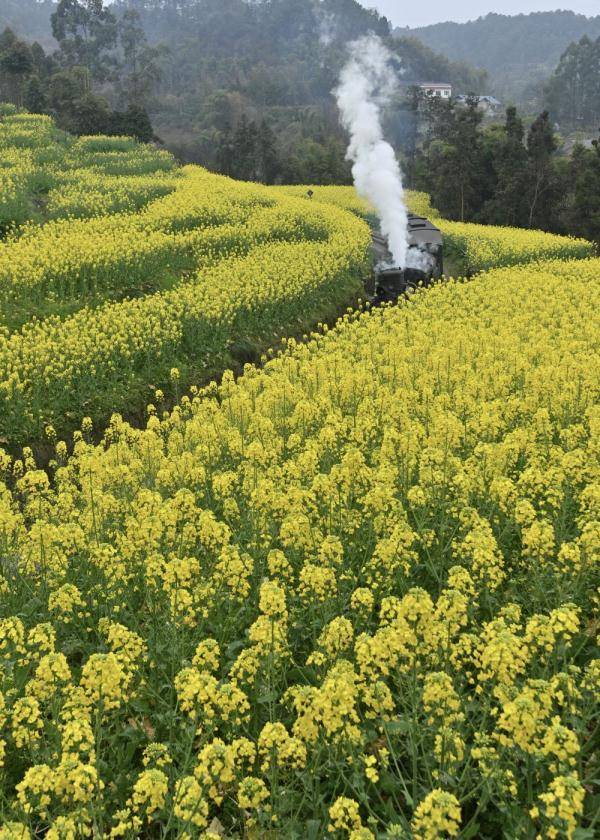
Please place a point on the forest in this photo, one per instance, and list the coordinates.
(504, 174)
(519, 52)
(220, 80)
(246, 90)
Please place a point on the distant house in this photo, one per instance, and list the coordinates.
(489, 104)
(441, 89)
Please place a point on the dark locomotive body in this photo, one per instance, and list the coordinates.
(391, 281)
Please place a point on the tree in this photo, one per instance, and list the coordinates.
(133, 122)
(451, 166)
(90, 115)
(87, 35)
(75, 108)
(250, 152)
(43, 65)
(64, 88)
(584, 217)
(7, 39)
(141, 70)
(573, 92)
(541, 186)
(508, 160)
(16, 63)
(225, 157)
(34, 96)
(266, 154)
(245, 149)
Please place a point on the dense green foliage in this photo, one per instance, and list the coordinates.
(505, 175)
(517, 51)
(573, 93)
(94, 50)
(234, 66)
(241, 87)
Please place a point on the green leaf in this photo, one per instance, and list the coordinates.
(233, 648)
(472, 831)
(313, 828)
(270, 697)
(399, 726)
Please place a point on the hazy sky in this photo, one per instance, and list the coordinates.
(411, 13)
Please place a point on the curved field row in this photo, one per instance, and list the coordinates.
(347, 198)
(288, 268)
(46, 174)
(351, 594)
(83, 194)
(481, 247)
(474, 247)
(74, 261)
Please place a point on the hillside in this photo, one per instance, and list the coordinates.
(517, 51)
(214, 70)
(116, 261)
(350, 593)
(29, 19)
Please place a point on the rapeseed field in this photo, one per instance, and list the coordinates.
(351, 594)
(96, 305)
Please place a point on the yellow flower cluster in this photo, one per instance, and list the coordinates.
(437, 816)
(354, 592)
(470, 247)
(173, 268)
(560, 807)
(373, 564)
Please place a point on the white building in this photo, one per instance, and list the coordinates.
(441, 89)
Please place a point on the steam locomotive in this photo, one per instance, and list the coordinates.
(389, 281)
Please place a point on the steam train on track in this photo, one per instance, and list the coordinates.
(390, 282)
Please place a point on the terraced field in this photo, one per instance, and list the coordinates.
(351, 594)
(95, 305)
(472, 247)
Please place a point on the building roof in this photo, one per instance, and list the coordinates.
(491, 100)
(434, 84)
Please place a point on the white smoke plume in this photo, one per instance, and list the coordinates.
(366, 84)
(421, 259)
